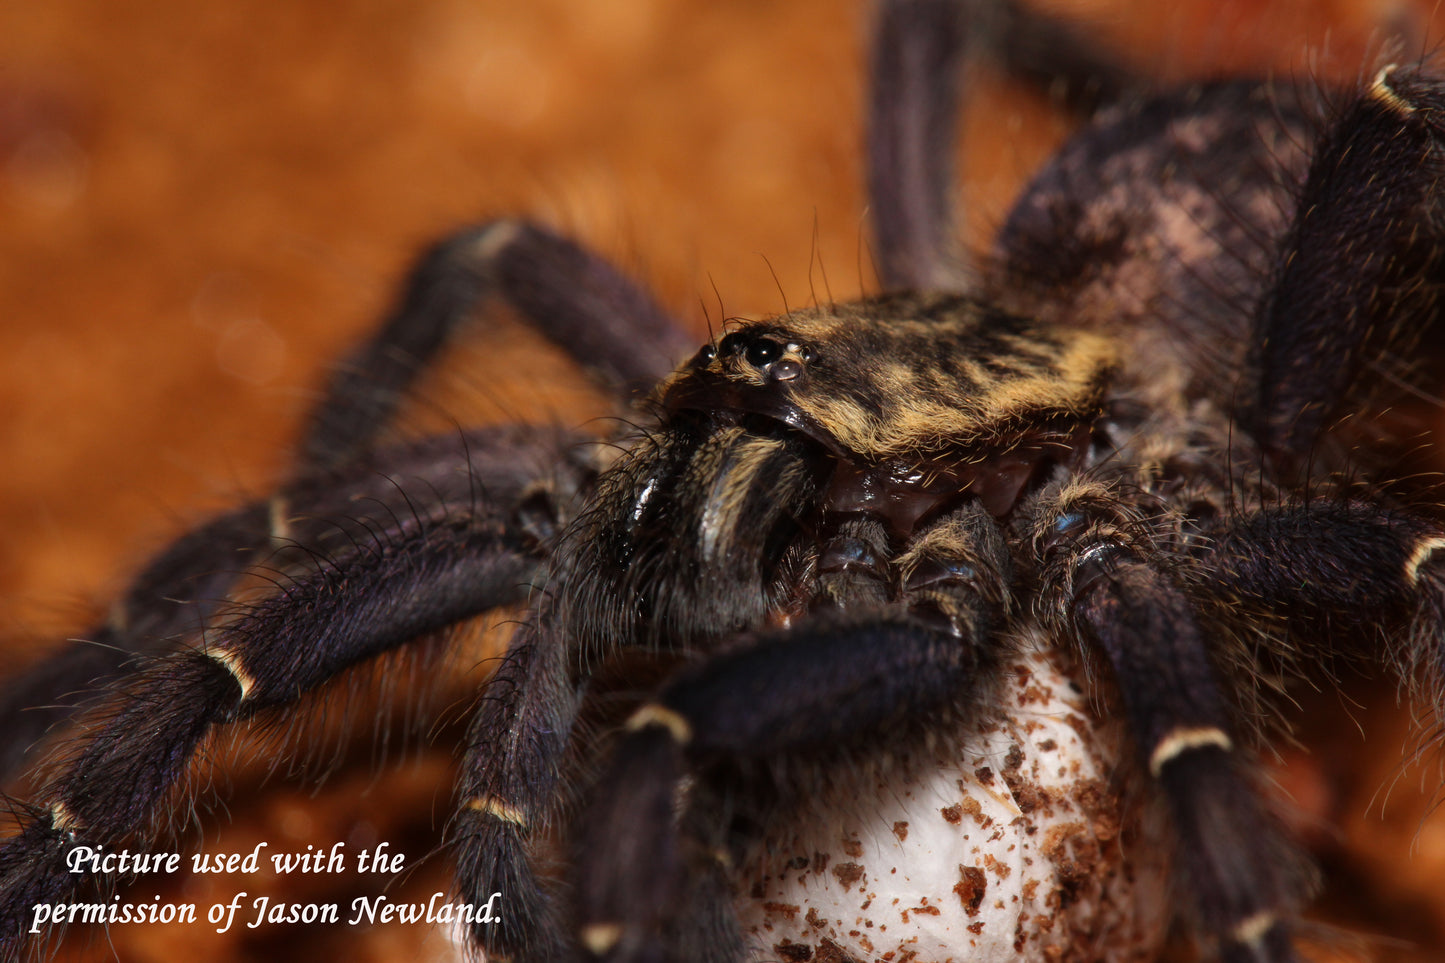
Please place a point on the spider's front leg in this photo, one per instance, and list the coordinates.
(1109, 585)
(386, 580)
(572, 296)
(390, 492)
(615, 585)
(650, 883)
(516, 751)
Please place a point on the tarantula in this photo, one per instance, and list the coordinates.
(856, 558)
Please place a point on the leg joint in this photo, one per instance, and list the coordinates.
(654, 715)
(1186, 739)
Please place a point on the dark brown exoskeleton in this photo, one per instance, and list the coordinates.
(860, 555)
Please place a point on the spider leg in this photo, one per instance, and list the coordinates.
(1054, 56)
(182, 588)
(1348, 283)
(916, 66)
(1109, 588)
(577, 300)
(172, 591)
(280, 649)
(607, 574)
(517, 741)
(804, 691)
(390, 578)
(833, 682)
(1338, 577)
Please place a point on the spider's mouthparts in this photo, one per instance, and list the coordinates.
(903, 492)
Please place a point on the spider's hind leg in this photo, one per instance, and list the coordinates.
(1358, 279)
(916, 66)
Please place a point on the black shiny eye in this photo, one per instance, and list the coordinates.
(763, 352)
(705, 355)
(732, 344)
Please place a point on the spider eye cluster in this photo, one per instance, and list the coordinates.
(773, 358)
